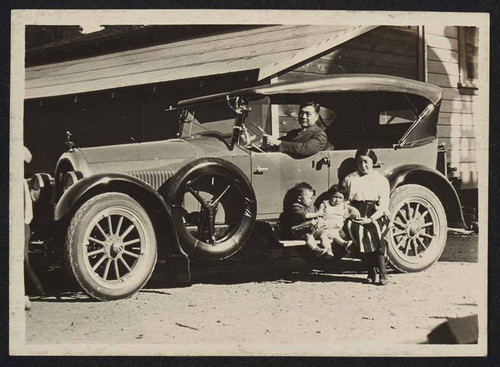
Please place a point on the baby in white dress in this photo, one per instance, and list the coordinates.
(336, 212)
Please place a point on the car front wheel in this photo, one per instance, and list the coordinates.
(111, 246)
(418, 228)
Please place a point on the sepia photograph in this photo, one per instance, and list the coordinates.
(248, 183)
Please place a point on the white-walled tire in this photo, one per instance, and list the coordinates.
(111, 246)
(418, 228)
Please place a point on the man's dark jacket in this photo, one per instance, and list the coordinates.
(305, 142)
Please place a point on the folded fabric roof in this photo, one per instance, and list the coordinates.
(329, 84)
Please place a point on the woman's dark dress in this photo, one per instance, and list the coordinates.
(368, 194)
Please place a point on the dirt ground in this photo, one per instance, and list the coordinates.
(299, 306)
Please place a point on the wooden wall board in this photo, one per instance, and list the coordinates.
(327, 67)
(439, 54)
(443, 80)
(454, 94)
(456, 131)
(440, 30)
(459, 143)
(440, 67)
(449, 118)
(370, 42)
(441, 42)
(462, 156)
(461, 107)
(352, 55)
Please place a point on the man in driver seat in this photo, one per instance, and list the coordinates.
(309, 139)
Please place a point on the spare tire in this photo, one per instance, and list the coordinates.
(213, 208)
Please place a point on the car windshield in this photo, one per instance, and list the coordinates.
(218, 119)
(257, 122)
(214, 117)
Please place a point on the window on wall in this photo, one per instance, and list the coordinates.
(468, 53)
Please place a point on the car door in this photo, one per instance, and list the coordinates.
(274, 173)
(342, 163)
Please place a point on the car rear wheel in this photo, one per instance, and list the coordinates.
(418, 228)
(213, 207)
(111, 246)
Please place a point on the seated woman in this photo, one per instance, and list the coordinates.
(309, 139)
(368, 191)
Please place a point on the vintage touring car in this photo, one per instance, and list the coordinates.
(112, 212)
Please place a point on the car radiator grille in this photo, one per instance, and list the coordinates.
(153, 178)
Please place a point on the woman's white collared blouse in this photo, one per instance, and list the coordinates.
(373, 186)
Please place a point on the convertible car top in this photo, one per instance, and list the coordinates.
(329, 84)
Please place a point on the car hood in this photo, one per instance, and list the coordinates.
(158, 150)
(159, 155)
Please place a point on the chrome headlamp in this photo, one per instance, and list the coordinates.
(41, 187)
(70, 178)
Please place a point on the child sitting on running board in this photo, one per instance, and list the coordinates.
(300, 212)
(336, 212)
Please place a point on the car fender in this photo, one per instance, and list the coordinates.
(137, 189)
(434, 181)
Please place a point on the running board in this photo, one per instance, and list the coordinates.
(460, 230)
(295, 243)
(270, 229)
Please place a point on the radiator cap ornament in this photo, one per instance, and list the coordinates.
(69, 143)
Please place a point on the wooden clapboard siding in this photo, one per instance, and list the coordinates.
(441, 42)
(442, 67)
(456, 131)
(439, 30)
(454, 94)
(327, 67)
(373, 42)
(401, 34)
(351, 55)
(442, 80)
(464, 156)
(439, 54)
(452, 106)
(384, 50)
(448, 118)
(457, 127)
(459, 143)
